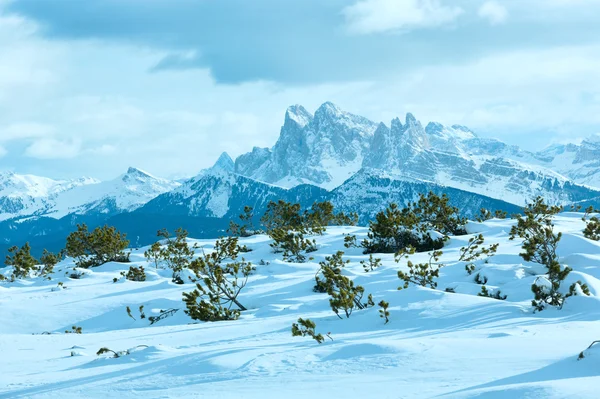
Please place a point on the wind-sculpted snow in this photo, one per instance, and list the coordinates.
(438, 344)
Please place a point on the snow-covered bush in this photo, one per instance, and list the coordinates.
(90, 249)
(135, 273)
(219, 283)
(592, 226)
(536, 228)
(293, 245)
(395, 228)
(176, 253)
(496, 294)
(344, 295)
(49, 260)
(486, 214)
(21, 261)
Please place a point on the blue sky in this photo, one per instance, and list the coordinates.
(91, 87)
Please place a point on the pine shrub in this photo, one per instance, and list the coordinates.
(21, 260)
(306, 328)
(102, 245)
(496, 295)
(219, 283)
(422, 274)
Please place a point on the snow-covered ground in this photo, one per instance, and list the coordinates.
(437, 344)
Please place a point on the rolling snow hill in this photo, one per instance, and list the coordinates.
(437, 344)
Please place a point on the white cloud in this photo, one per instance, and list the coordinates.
(494, 12)
(25, 130)
(3, 151)
(53, 149)
(378, 16)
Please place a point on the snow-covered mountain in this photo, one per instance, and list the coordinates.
(324, 149)
(332, 146)
(27, 195)
(579, 162)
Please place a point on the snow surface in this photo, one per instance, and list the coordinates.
(437, 344)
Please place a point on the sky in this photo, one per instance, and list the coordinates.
(89, 88)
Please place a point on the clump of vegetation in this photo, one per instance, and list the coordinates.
(21, 260)
(536, 228)
(592, 225)
(49, 260)
(118, 354)
(334, 264)
(135, 273)
(306, 328)
(481, 280)
(246, 227)
(383, 311)
(344, 295)
(293, 245)
(219, 283)
(175, 253)
(422, 274)
(496, 294)
(371, 264)
(486, 214)
(162, 315)
(474, 249)
(74, 330)
(395, 228)
(102, 245)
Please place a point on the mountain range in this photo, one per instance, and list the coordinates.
(333, 155)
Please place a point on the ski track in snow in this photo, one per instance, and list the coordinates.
(436, 345)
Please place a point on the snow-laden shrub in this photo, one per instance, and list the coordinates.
(174, 252)
(21, 260)
(536, 228)
(306, 328)
(293, 245)
(486, 214)
(135, 273)
(104, 244)
(394, 229)
(345, 296)
(219, 283)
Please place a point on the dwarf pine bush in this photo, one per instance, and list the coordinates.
(344, 295)
(474, 249)
(486, 214)
(135, 273)
(246, 227)
(496, 294)
(293, 245)
(21, 260)
(219, 283)
(536, 228)
(306, 328)
(422, 274)
(395, 228)
(372, 264)
(175, 253)
(102, 245)
(383, 311)
(592, 225)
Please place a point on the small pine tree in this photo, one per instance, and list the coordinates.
(474, 249)
(176, 253)
(21, 261)
(49, 260)
(219, 284)
(496, 295)
(383, 311)
(371, 264)
(245, 228)
(422, 274)
(102, 245)
(306, 328)
(135, 273)
(293, 245)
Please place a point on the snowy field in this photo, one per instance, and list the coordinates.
(436, 345)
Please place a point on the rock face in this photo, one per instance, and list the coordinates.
(324, 149)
